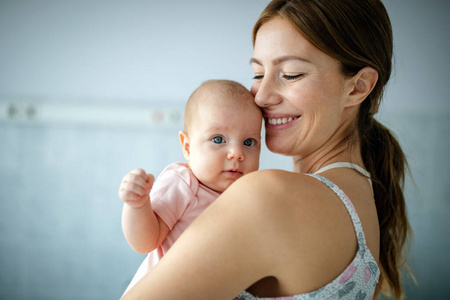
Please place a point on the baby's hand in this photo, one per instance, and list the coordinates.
(135, 188)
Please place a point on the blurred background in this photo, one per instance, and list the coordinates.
(92, 89)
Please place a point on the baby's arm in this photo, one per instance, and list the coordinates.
(143, 229)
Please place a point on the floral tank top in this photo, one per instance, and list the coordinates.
(359, 279)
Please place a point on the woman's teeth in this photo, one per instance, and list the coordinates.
(280, 120)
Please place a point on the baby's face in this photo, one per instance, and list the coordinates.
(225, 142)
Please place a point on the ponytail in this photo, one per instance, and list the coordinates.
(386, 162)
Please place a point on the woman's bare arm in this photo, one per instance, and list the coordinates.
(221, 254)
(274, 225)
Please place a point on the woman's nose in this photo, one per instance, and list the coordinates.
(265, 93)
(235, 152)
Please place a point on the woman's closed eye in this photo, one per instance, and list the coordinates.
(258, 77)
(285, 76)
(292, 76)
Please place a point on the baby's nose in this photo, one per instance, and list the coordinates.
(235, 153)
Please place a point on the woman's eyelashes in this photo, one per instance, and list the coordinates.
(282, 75)
(292, 77)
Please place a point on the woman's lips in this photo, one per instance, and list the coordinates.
(279, 121)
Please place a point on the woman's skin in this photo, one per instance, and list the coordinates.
(273, 232)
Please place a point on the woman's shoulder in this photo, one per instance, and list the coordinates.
(274, 178)
(300, 218)
(270, 195)
(277, 185)
(311, 205)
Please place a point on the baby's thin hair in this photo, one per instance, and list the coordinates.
(198, 97)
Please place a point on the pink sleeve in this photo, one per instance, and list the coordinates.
(173, 193)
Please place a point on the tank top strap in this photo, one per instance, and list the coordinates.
(350, 208)
(347, 165)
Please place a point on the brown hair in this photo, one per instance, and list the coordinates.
(203, 96)
(359, 34)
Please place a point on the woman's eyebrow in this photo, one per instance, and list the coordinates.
(280, 60)
(254, 61)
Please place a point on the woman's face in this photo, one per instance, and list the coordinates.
(300, 89)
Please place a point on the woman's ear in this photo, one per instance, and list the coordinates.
(361, 85)
(184, 139)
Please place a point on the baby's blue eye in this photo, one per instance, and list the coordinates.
(218, 140)
(249, 142)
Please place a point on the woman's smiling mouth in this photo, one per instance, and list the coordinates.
(280, 121)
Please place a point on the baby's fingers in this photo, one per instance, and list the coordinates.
(137, 177)
(132, 187)
(136, 186)
(139, 172)
(127, 196)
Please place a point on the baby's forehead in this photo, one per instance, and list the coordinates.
(216, 99)
(228, 117)
(228, 129)
(228, 108)
(223, 98)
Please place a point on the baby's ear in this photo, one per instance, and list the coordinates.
(184, 140)
(361, 85)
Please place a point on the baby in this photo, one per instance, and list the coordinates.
(221, 142)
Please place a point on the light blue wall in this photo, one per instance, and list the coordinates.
(60, 232)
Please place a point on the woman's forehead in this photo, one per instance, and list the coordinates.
(278, 38)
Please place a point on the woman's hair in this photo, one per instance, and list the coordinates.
(359, 34)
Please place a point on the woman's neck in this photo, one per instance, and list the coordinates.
(343, 146)
(323, 157)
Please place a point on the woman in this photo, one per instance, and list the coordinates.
(320, 68)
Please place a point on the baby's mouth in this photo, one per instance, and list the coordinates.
(233, 172)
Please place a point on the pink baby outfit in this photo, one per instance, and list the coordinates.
(178, 198)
